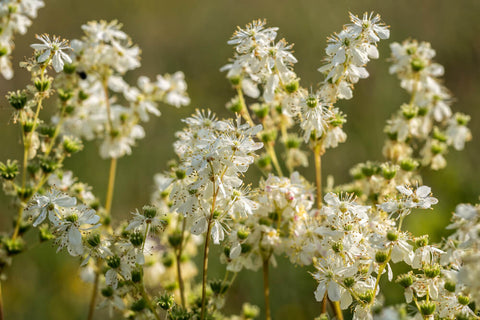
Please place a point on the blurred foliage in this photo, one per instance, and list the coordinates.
(191, 36)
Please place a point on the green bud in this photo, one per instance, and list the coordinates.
(417, 64)
(48, 166)
(411, 50)
(235, 80)
(462, 119)
(64, 95)
(265, 221)
(367, 296)
(311, 101)
(463, 300)
(113, 262)
(274, 216)
(94, 240)
(9, 170)
(246, 247)
(337, 247)
(136, 275)
(218, 287)
(45, 233)
(17, 99)
(136, 239)
(242, 234)
(226, 251)
(369, 169)
(422, 111)
(167, 260)
(14, 246)
(427, 308)
(450, 286)
(431, 271)
(269, 136)
(72, 145)
(69, 68)
(437, 147)
(175, 239)
(72, 218)
(107, 292)
(235, 105)
(180, 174)
(392, 236)
(381, 257)
(166, 301)
(69, 109)
(389, 171)
(292, 86)
(408, 164)
(42, 85)
(349, 282)
(293, 142)
(139, 305)
(405, 280)
(409, 111)
(261, 110)
(3, 51)
(27, 126)
(82, 95)
(149, 211)
(264, 161)
(421, 241)
(439, 135)
(48, 131)
(216, 214)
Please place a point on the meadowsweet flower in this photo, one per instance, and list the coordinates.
(52, 203)
(52, 48)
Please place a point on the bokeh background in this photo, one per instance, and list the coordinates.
(191, 36)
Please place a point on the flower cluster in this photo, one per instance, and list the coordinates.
(427, 118)
(100, 60)
(15, 17)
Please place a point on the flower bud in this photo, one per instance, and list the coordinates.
(136, 239)
(17, 99)
(136, 275)
(381, 257)
(408, 164)
(9, 170)
(107, 292)
(42, 85)
(72, 145)
(417, 64)
(405, 280)
(427, 308)
(166, 301)
(113, 261)
(292, 86)
(139, 305)
(149, 211)
(94, 240)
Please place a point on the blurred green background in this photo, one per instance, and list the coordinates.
(191, 36)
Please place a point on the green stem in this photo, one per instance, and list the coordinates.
(111, 185)
(317, 152)
(91, 308)
(149, 302)
(266, 289)
(271, 151)
(1, 302)
(205, 267)
(179, 267)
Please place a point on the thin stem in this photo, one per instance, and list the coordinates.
(324, 303)
(111, 185)
(266, 289)
(93, 299)
(57, 130)
(1, 302)
(179, 268)
(244, 113)
(271, 151)
(317, 152)
(337, 310)
(205, 266)
(149, 303)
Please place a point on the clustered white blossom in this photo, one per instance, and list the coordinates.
(15, 17)
(352, 235)
(101, 58)
(427, 118)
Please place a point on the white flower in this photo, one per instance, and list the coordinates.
(53, 46)
(49, 203)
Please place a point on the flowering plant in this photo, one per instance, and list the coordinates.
(350, 234)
